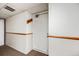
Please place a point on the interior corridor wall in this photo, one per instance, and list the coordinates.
(18, 24)
(39, 27)
(63, 21)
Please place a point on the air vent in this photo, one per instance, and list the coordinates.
(9, 8)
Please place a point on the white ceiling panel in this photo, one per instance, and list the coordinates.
(38, 8)
(2, 4)
(22, 6)
(19, 7)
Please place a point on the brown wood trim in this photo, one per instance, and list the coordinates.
(19, 33)
(65, 37)
(29, 21)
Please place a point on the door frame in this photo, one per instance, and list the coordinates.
(4, 30)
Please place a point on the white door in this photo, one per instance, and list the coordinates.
(1, 32)
(40, 33)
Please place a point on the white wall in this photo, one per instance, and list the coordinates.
(17, 24)
(63, 47)
(21, 43)
(63, 21)
(1, 32)
(40, 42)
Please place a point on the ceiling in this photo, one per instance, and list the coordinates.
(20, 7)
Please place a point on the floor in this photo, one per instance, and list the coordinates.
(8, 51)
(36, 53)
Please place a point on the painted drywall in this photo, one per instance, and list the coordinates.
(39, 27)
(63, 20)
(21, 43)
(63, 47)
(17, 24)
(1, 32)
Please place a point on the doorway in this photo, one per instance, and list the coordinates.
(1, 32)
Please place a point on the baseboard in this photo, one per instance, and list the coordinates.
(18, 50)
(29, 50)
(2, 45)
(40, 51)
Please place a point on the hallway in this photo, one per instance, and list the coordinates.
(20, 31)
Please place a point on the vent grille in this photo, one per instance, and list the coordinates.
(9, 8)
